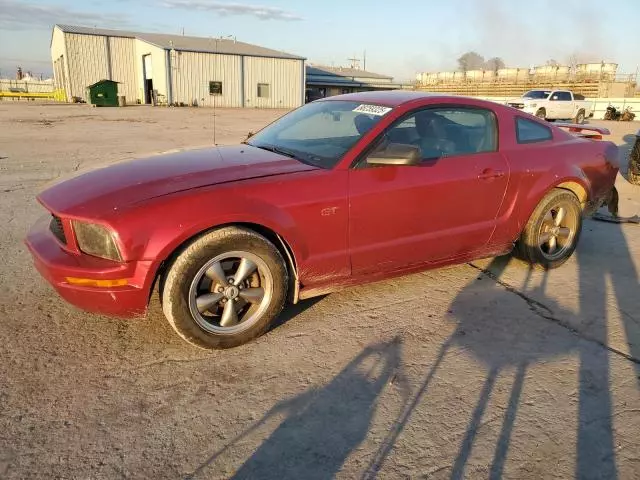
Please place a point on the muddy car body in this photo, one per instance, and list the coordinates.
(342, 191)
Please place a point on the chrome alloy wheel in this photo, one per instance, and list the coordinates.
(557, 231)
(230, 292)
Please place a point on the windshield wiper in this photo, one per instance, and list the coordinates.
(274, 149)
(283, 151)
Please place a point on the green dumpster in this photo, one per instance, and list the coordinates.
(103, 93)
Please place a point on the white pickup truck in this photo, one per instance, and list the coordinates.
(553, 105)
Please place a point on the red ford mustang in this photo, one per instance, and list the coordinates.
(342, 191)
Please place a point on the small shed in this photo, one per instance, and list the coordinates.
(103, 93)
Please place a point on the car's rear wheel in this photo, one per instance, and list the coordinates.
(580, 117)
(225, 288)
(553, 230)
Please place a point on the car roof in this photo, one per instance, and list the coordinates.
(393, 98)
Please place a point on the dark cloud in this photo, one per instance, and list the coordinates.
(261, 12)
(19, 15)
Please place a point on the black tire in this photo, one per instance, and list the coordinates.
(183, 274)
(541, 113)
(579, 117)
(530, 246)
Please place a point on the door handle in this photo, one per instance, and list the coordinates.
(489, 173)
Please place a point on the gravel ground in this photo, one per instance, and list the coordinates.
(480, 370)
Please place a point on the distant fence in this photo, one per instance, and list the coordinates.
(26, 86)
(598, 105)
(30, 89)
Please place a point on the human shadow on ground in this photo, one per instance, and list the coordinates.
(516, 344)
(322, 425)
(488, 331)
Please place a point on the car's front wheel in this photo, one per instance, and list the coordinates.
(225, 288)
(553, 230)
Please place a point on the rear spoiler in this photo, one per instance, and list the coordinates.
(585, 131)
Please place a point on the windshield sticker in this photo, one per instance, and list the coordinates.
(372, 109)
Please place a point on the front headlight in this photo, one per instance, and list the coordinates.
(96, 240)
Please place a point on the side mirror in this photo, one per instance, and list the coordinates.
(396, 154)
(555, 97)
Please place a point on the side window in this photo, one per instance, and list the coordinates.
(263, 90)
(528, 131)
(215, 88)
(446, 132)
(563, 96)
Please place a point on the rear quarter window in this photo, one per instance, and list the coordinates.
(528, 131)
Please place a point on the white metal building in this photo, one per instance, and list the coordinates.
(180, 69)
(325, 81)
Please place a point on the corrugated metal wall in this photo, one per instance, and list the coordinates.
(285, 78)
(81, 60)
(87, 60)
(158, 65)
(59, 59)
(122, 57)
(191, 73)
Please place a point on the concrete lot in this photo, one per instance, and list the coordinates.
(481, 370)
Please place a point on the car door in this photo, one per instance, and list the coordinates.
(444, 207)
(553, 106)
(564, 105)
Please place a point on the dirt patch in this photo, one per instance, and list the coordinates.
(482, 370)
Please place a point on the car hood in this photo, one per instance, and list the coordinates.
(126, 183)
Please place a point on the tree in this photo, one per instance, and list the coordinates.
(553, 63)
(494, 64)
(470, 61)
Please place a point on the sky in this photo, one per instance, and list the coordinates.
(399, 38)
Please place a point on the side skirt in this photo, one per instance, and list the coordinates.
(330, 287)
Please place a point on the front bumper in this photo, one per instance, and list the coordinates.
(55, 263)
(523, 107)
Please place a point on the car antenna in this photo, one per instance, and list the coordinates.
(215, 50)
(214, 120)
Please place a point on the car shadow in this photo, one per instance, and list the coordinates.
(291, 311)
(322, 425)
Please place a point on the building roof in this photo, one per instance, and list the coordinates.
(343, 72)
(186, 43)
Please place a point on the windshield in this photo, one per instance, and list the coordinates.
(537, 94)
(319, 133)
